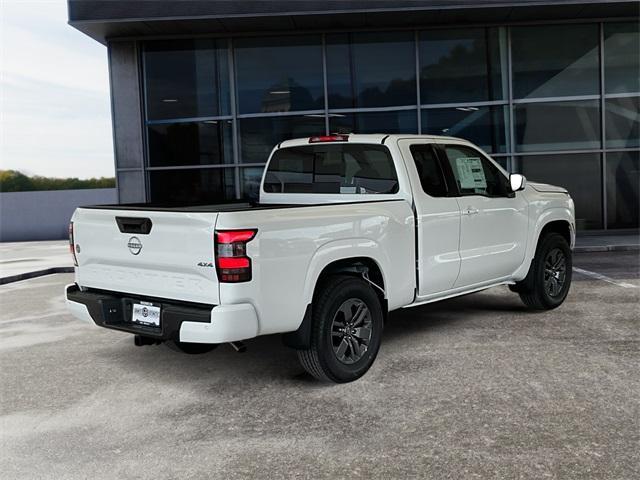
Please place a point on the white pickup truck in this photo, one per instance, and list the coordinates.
(347, 228)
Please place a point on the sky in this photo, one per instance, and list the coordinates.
(55, 117)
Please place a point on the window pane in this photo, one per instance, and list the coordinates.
(474, 174)
(192, 143)
(186, 78)
(502, 161)
(337, 168)
(258, 136)
(557, 126)
(404, 121)
(555, 60)
(251, 178)
(622, 57)
(279, 74)
(623, 184)
(429, 170)
(462, 65)
(580, 174)
(622, 121)
(193, 186)
(484, 126)
(371, 69)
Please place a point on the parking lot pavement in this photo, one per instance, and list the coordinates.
(22, 260)
(475, 387)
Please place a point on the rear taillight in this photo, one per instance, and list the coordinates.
(72, 245)
(232, 263)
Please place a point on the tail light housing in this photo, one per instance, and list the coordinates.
(232, 263)
(72, 245)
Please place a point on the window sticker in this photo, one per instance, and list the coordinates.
(471, 173)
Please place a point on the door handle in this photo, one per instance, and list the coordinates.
(471, 211)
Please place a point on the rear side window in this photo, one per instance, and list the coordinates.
(429, 170)
(474, 174)
(336, 168)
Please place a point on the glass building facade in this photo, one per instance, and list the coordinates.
(557, 102)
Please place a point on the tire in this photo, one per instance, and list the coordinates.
(343, 349)
(549, 279)
(191, 348)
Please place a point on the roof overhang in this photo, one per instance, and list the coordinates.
(104, 20)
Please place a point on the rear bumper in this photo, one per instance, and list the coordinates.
(186, 322)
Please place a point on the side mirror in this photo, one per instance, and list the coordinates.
(517, 181)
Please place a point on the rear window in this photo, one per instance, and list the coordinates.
(336, 168)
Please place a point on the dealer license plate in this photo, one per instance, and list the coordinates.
(146, 314)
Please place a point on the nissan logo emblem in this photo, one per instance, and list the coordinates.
(135, 245)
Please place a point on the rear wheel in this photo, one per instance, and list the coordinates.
(346, 331)
(549, 279)
(191, 348)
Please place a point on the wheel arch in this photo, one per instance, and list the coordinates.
(563, 227)
(556, 220)
(364, 267)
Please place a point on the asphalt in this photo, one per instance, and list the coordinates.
(474, 387)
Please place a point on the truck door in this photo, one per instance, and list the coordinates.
(494, 220)
(438, 218)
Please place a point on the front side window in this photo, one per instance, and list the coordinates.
(474, 174)
(429, 170)
(332, 169)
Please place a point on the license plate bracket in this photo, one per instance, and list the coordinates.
(145, 313)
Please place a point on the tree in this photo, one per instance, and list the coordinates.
(14, 181)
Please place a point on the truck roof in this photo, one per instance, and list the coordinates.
(368, 138)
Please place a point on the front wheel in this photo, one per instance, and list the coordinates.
(549, 279)
(346, 331)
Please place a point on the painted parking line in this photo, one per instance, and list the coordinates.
(604, 278)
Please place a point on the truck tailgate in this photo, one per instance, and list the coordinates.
(174, 259)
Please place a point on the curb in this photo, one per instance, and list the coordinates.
(37, 273)
(607, 248)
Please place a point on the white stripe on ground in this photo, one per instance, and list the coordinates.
(604, 278)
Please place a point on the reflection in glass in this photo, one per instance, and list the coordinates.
(555, 60)
(557, 126)
(622, 120)
(192, 186)
(371, 69)
(190, 143)
(251, 178)
(484, 126)
(279, 74)
(467, 65)
(623, 185)
(403, 121)
(585, 188)
(502, 161)
(186, 78)
(258, 136)
(622, 57)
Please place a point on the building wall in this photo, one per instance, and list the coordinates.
(45, 215)
(195, 119)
